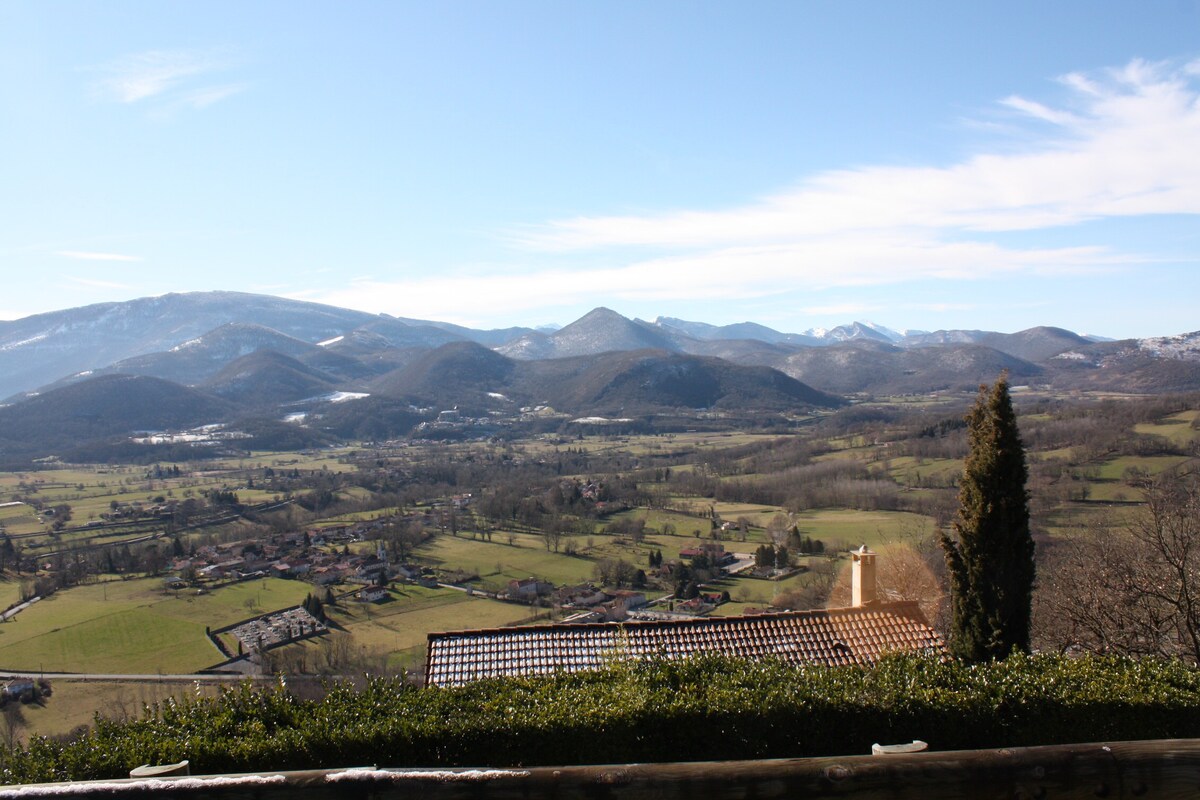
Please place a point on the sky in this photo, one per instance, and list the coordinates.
(800, 164)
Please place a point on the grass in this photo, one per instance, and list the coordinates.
(10, 591)
(133, 626)
(403, 623)
(1115, 469)
(20, 519)
(746, 592)
(853, 528)
(75, 703)
(499, 562)
(1179, 429)
(909, 471)
(1076, 517)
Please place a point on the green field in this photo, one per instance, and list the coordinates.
(20, 518)
(1115, 469)
(746, 592)
(10, 592)
(498, 562)
(1179, 429)
(910, 471)
(133, 626)
(854, 528)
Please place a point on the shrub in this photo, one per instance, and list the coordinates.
(705, 708)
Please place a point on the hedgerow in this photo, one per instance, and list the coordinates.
(703, 708)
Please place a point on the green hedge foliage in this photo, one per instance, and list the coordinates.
(705, 708)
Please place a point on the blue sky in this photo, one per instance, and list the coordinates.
(922, 165)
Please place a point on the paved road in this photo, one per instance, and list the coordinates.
(153, 678)
(12, 612)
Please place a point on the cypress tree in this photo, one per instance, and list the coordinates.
(991, 563)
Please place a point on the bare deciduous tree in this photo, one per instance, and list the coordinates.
(1133, 590)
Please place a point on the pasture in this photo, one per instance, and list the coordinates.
(1180, 429)
(133, 626)
(498, 562)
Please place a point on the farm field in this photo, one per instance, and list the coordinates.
(10, 592)
(911, 471)
(133, 626)
(498, 562)
(850, 528)
(1116, 469)
(757, 592)
(1180, 429)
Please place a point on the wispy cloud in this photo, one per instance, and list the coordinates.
(733, 274)
(172, 77)
(203, 98)
(87, 256)
(1121, 144)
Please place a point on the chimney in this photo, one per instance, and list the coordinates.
(862, 577)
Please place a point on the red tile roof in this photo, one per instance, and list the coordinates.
(829, 636)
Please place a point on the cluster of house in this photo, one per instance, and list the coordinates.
(286, 555)
(589, 603)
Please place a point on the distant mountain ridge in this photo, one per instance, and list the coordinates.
(227, 356)
(148, 335)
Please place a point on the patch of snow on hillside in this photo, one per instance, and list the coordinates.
(1072, 355)
(894, 336)
(600, 420)
(328, 342)
(83, 374)
(341, 397)
(170, 438)
(1184, 347)
(498, 396)
(298, 417)
(23, 342)
(188, 343)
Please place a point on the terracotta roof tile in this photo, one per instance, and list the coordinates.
(833, 636)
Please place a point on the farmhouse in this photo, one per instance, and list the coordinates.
(373, 594)
(528, 589)
(859, 634)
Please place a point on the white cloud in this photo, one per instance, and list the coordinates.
(1124, 144)
(730, 274)
(86, 256)
(203, 98)
(171, 76)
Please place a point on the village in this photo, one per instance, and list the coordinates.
(364, 562)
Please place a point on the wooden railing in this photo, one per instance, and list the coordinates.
(1164, 768)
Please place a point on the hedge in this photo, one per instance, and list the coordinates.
(705, 708)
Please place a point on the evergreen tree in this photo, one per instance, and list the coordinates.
(991, 563)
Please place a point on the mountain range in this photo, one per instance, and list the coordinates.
(311, 370)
